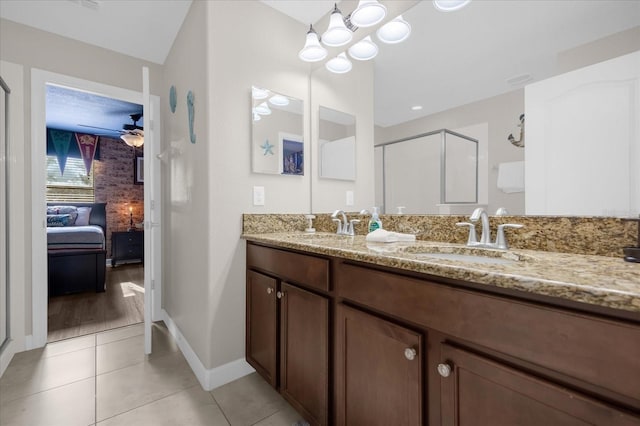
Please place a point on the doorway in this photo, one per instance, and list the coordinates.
(103, 179)
(152, 264)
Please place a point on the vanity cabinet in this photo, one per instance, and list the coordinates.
(378, 371)
(479, 391)
(492, 359)
(287, 335)
(413, 349)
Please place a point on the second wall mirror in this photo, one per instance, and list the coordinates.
(337, 145)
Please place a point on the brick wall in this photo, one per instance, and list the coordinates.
(113, 181)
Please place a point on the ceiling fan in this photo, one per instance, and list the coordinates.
(131, 134)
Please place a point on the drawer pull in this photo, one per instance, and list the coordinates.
(280, 294)
(410, 354)
(444, 370)
(269, 290)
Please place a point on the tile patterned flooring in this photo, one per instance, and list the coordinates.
(105, 379)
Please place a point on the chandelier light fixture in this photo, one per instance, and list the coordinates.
(279, 100)
(450, 5)
(339, 65)
(364, 50)
(263, 109)
(340, 33)
(368, 13)
(312, 50)
(395, 31)
(337, 33)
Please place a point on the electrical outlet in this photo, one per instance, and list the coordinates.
(258, 195)
(350, 198)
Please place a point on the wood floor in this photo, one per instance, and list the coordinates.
(120, 305)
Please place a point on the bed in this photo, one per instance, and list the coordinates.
(76, 251)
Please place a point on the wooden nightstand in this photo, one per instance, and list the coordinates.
(127, 246)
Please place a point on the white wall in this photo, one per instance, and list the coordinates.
(351, 93)
(210, 182)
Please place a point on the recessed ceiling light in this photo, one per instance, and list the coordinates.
(518, 80)
(416, 108)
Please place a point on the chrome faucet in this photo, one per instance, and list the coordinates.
(480, 213)
(485, 238)
(345, 227)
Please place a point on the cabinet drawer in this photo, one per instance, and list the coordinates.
(298, 268)
(565, 342)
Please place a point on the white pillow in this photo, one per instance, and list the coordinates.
(83, 216)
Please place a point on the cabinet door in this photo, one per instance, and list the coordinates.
(378, 371)
(479, 391)
(304, 377)
(261, 335)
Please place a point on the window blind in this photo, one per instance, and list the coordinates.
(73, 186)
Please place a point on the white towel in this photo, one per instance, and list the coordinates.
(511, 177)
(384, 236)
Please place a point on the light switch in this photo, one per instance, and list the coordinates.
(350, 198)
(258, 195)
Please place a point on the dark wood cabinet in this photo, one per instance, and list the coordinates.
(287, 336)
(127, 246)
(262, 323)
(378, 371)
(411, 349)
(304, 351)
(480, 391)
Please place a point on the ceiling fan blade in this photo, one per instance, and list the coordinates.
(100, 128)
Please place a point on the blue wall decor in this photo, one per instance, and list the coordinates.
(192, 135)
(267, 147)
(172, 99)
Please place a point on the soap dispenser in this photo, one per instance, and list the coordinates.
(375, 222)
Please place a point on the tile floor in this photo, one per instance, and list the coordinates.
(105, 379)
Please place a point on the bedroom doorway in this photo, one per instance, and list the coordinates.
(128, 275)
(88, 293)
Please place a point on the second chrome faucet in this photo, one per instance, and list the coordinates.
(345, 227)
(485, 237)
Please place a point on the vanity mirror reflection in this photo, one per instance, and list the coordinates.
(336, 145)
(277, 127)
(453, 73)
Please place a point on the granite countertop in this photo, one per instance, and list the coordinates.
(596, 280)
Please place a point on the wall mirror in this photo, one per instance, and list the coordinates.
(489, 67)
(336, 144)
(277, 127)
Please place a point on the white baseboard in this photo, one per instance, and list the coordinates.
(28, 343)
(209, 378)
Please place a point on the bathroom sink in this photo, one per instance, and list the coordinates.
(468, 258)
(467, 254)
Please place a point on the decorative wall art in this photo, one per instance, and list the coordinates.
(190, 110)
(292, 157)
(172, 99)
(138, 170)
(267, 147)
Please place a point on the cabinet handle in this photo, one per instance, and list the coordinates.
(444, 370)
(269, 290)
(280, 294)
(410, 354)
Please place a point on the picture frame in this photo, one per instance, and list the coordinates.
(292, 152)
(138, 170)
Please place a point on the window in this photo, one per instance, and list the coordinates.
(73, 186)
